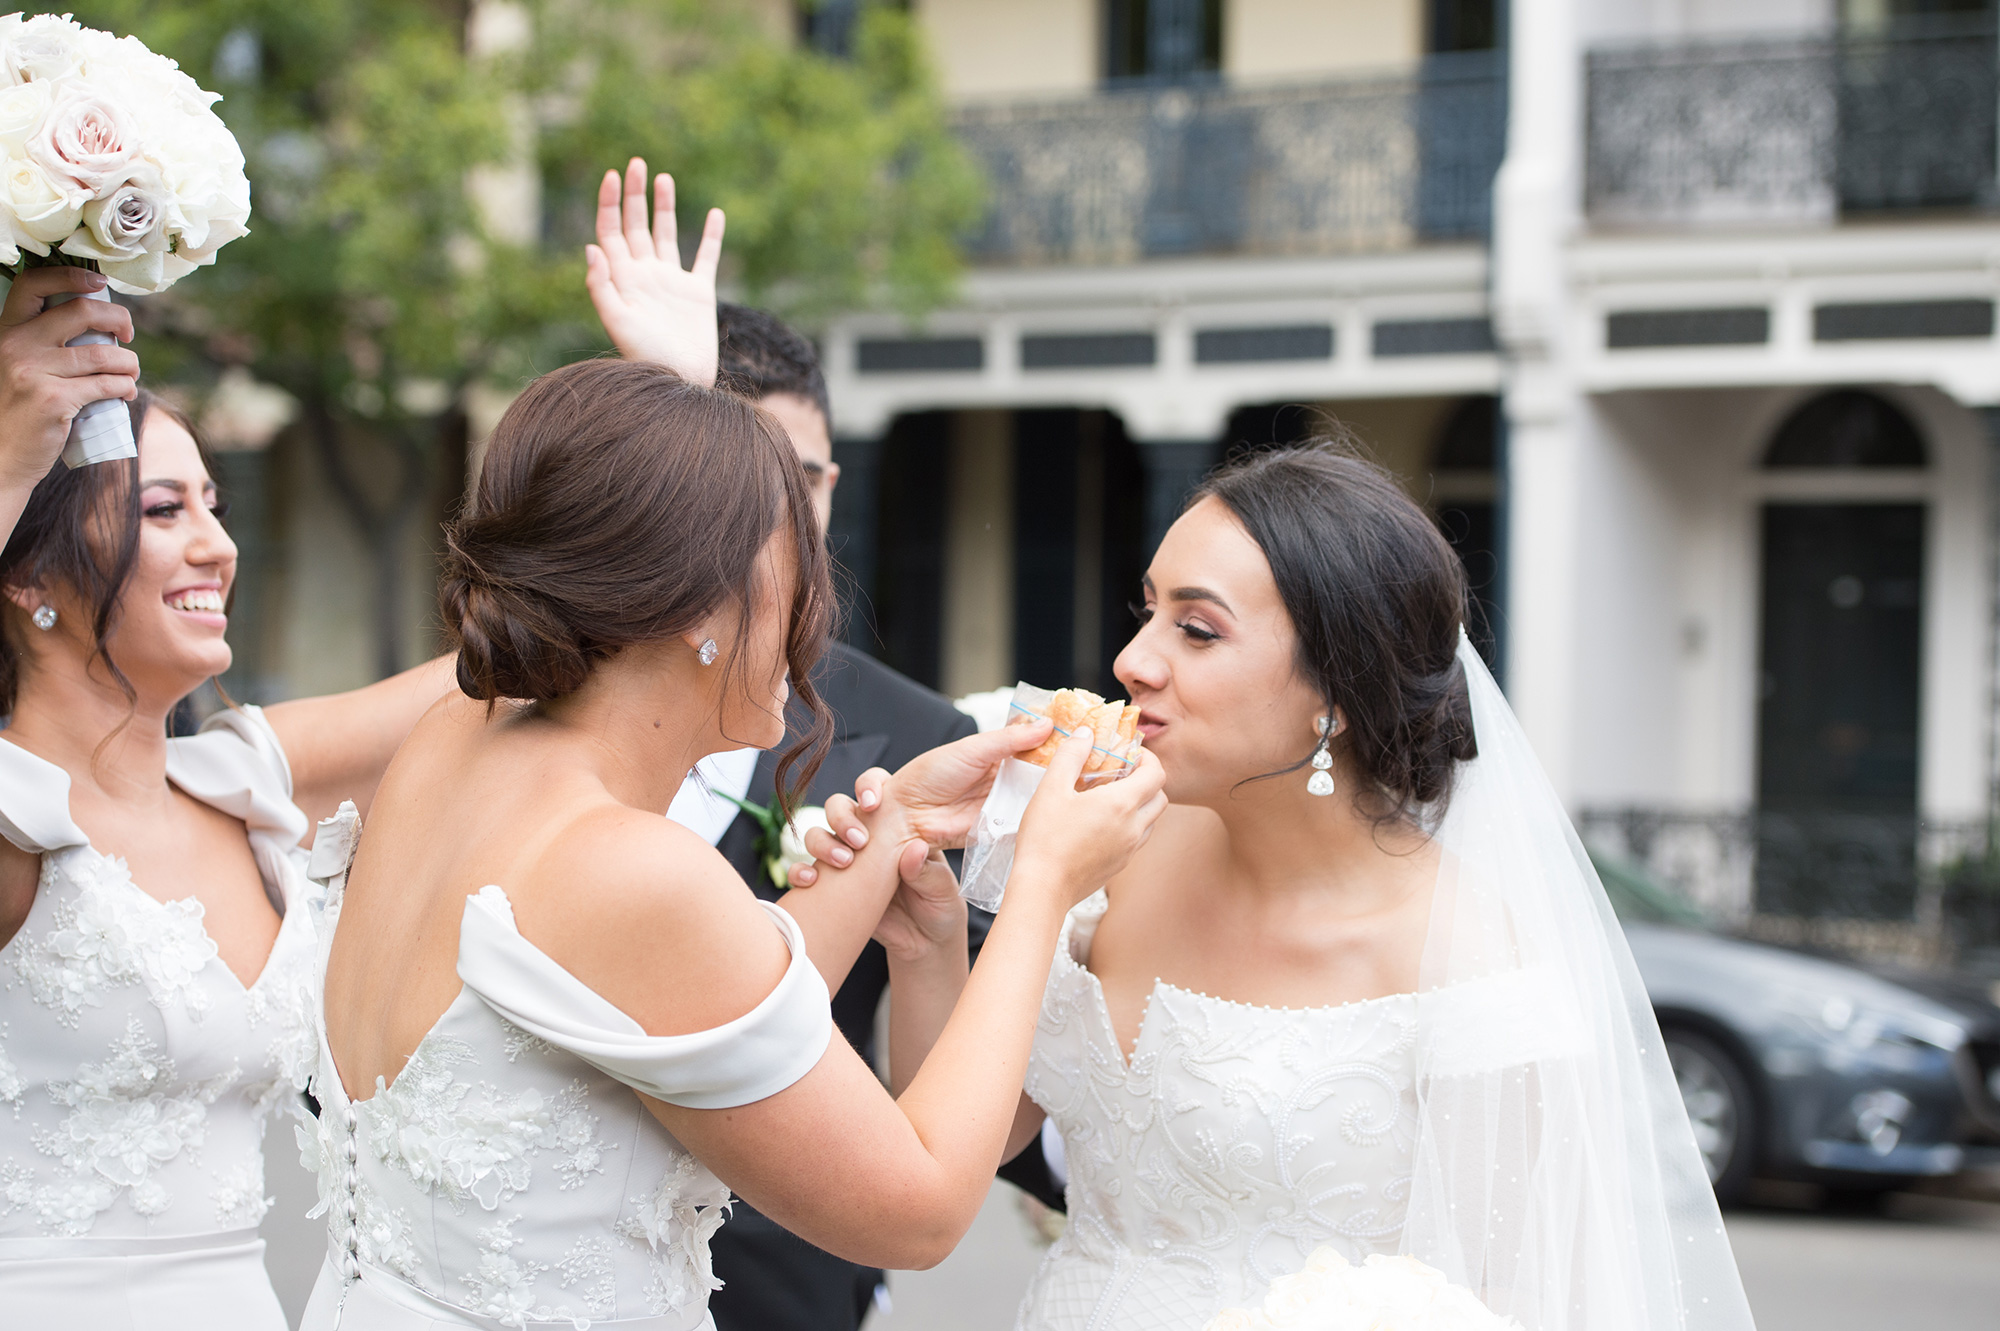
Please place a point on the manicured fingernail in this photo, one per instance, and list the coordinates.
(99, 279)
(841, 856)
(857, 837)
(1084, 733)
(806, 877)
(869, 799)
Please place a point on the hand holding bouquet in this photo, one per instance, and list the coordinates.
(113, 161)
(1382, 1294)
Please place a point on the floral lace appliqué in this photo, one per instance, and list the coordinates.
(502, 1285)
(109, 934)
(121, 1126)
(11, 1086)
(462, 1139)
(518, 1042)
(587, 1268)
(293, 1052)
(573, 1137)
(675, 1222)
(239, 1196)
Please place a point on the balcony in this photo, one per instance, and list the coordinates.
(1798, 130)
(1892, 886)
(1360, 165)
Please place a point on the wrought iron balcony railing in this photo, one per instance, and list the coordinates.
(1892, 885)
(1803, 129)
(1363, 164)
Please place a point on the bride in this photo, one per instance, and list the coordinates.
(1362, 987)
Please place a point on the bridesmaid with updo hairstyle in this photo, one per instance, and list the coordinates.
(155, 946)
(559, 1031)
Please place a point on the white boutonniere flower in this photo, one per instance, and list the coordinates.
(791, 848)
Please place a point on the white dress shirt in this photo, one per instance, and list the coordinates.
(698, 805)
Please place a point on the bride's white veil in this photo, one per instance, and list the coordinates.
(1555, 1173)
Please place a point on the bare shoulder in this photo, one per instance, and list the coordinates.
(651, 917)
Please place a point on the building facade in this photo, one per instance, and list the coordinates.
(1680, 316)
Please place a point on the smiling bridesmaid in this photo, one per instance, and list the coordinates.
(154, 946)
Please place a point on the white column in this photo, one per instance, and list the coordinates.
(1544, 522)
(506, 194)
(1537, 208)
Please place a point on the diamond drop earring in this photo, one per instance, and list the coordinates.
(44, 617)
(708, 651)
(1321, 781)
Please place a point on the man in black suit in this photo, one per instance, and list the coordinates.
(773, 1280)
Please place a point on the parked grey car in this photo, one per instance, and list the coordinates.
(1797, 1066)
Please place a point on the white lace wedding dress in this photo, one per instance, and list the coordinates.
(1237, 1139)
(136, 1071)
(509, 1176)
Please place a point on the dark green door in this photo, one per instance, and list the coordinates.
(1838, 715)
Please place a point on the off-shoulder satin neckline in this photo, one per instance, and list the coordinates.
(1091, 912)
(495, 959)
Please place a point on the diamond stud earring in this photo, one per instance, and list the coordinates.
(708, 651)
(1321, 781)
(44, 617)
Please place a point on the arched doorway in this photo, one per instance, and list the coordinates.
(1839, 670)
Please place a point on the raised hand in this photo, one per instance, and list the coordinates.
(44, 383)
(654, 309)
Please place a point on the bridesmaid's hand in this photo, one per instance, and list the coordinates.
(937, 794)
(1081, 839)
(44, 383)
(927, 913)
(653, 308)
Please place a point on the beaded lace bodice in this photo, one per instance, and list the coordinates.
(509, 1172)
(1233, 1142)
(136, 1070)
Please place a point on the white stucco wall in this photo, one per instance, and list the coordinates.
(1635, 20)
(1628, 641)
(1667, 639)
(1296, 39)
(984, 51)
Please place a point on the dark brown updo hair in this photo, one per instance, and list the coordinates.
(619, 504)
(1377, 598)
(80, 532)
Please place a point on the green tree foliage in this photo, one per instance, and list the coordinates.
(376, 289)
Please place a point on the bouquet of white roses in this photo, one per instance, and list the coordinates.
(1381, 1294)
(112, 159)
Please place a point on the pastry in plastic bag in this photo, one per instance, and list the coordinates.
(1114, 726)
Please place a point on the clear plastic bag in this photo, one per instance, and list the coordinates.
(989, 850)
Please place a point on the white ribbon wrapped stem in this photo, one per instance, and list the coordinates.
(102, 431)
